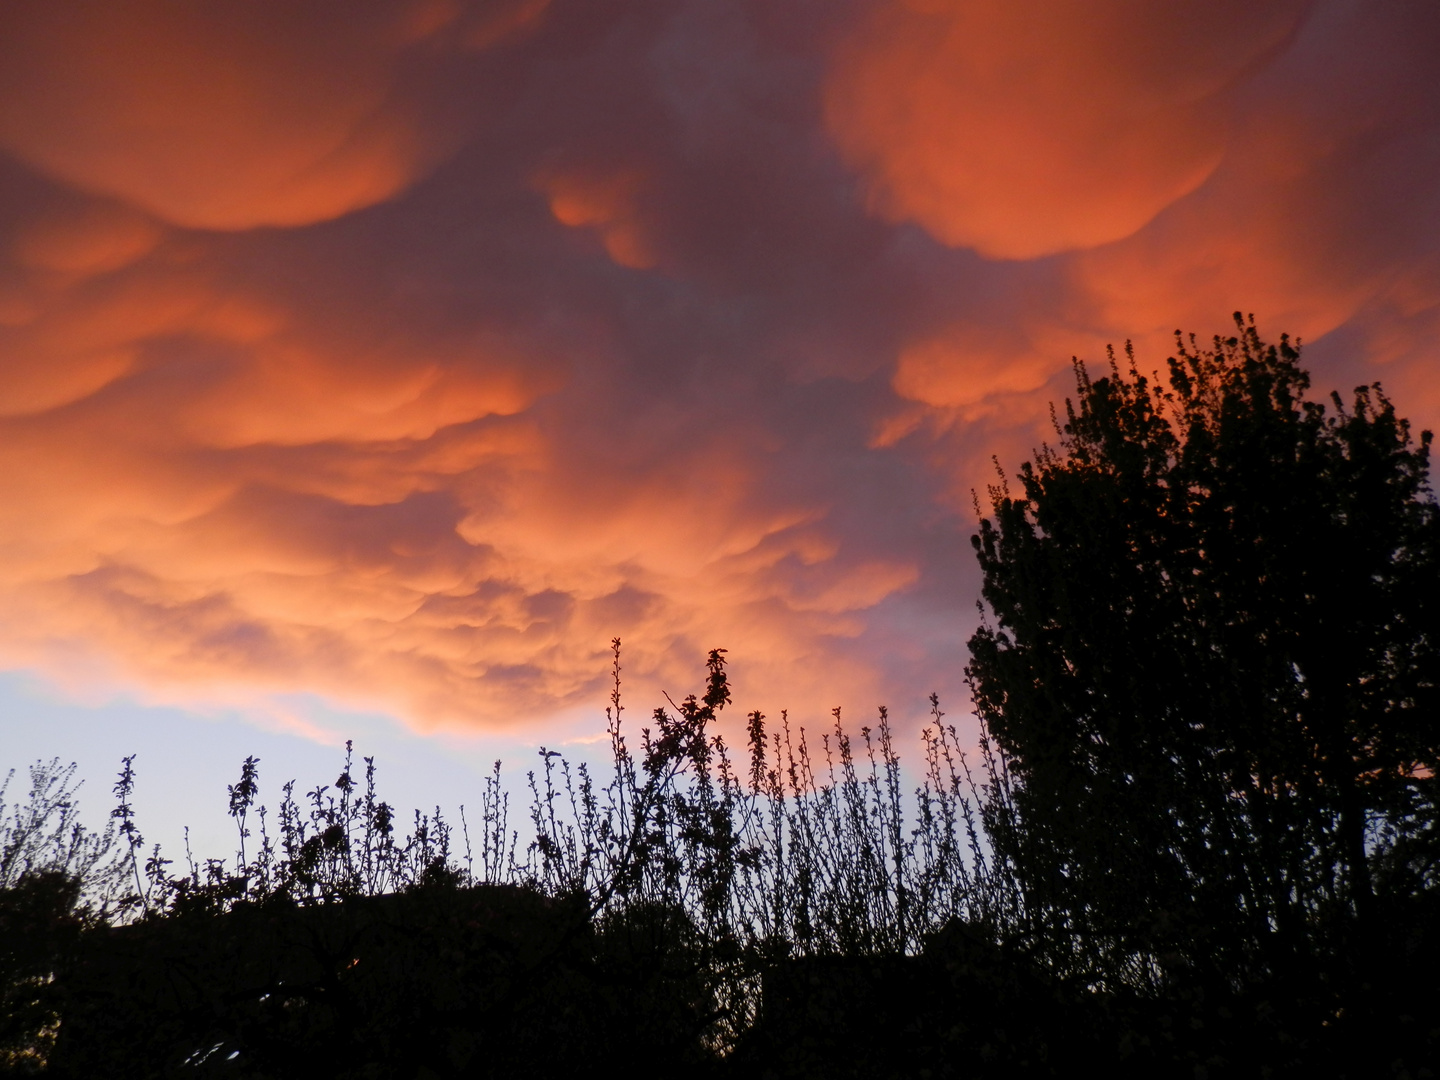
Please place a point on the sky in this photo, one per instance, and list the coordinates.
(366, 367)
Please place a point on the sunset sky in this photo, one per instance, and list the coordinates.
(365, 367)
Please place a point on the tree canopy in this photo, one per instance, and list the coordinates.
(1211, 665)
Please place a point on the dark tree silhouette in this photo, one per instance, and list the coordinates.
(1212, 670)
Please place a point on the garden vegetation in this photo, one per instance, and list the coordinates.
(1198, 836)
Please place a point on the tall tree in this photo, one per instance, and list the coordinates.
(1212, 665)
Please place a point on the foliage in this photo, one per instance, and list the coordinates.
(676, 884)
(1213, 671)
(46, 853)
(44, 835)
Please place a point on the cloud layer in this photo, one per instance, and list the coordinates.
(409, 352)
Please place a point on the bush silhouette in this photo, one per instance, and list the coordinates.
(438, 980)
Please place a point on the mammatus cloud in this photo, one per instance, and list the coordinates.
(1021, 129)
(608, 203)
(236, 113)
(412, 353)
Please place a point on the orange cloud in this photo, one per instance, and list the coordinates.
(967, 367)
(434, 456)
(1022, 129)
(209, 481)
(233, 113)
(1299, 222)
(95, 239)
(607, 202)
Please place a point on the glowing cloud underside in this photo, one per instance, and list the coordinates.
(409, 352)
